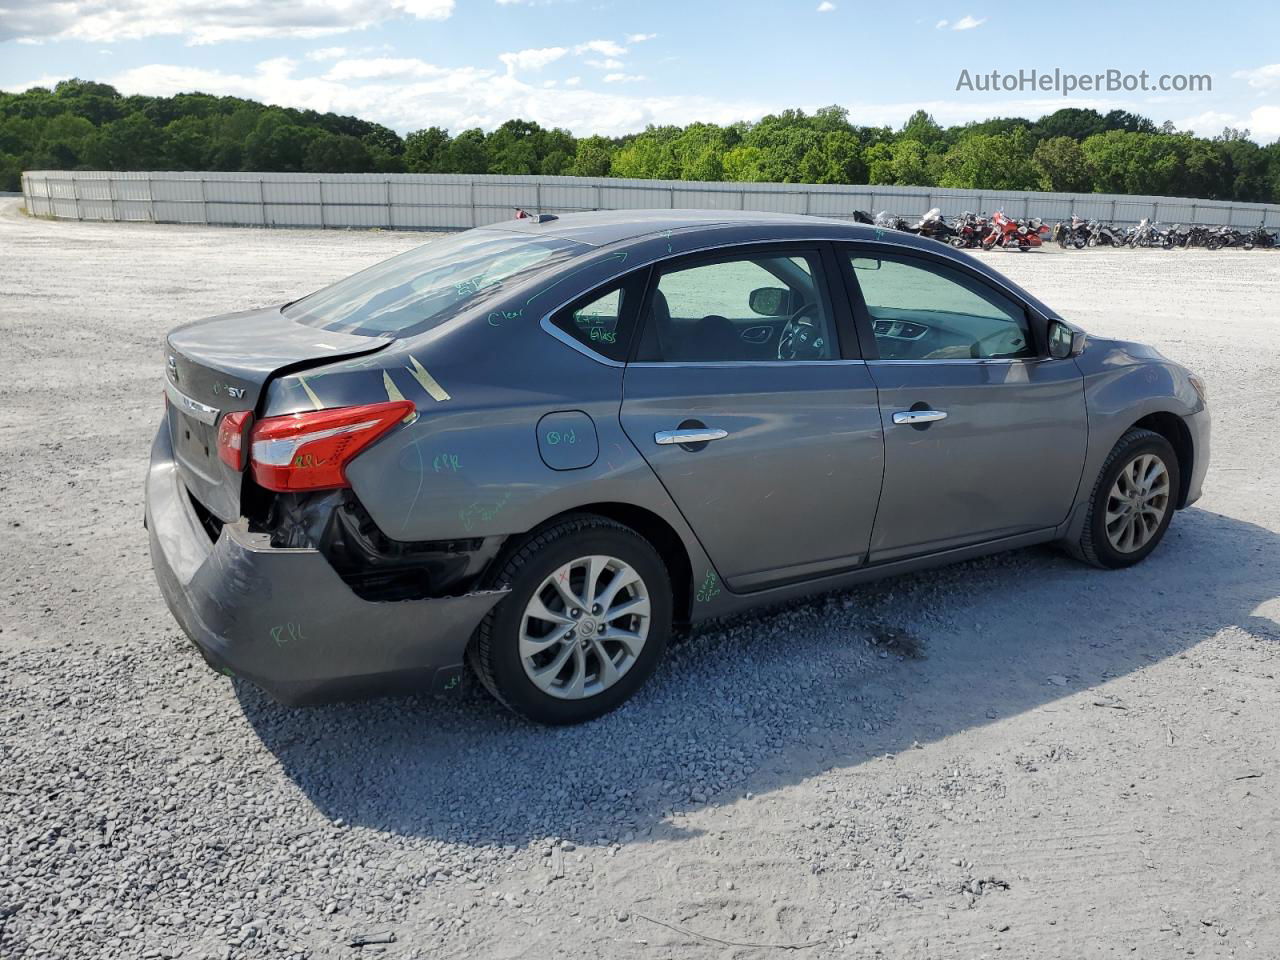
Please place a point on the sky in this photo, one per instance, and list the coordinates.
(613, 67)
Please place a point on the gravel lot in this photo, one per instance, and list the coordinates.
(1018, 754)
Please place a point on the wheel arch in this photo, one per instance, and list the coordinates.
(663, 537)
(1174, 429)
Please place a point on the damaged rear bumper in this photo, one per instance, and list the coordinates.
(283, 619)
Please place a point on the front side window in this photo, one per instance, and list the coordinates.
(425, 286)
(751, 308)
(925, 311)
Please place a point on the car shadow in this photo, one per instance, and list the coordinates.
(771, 699)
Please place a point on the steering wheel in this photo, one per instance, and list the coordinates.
(801, 338)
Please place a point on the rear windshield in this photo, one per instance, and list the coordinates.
(427, 285)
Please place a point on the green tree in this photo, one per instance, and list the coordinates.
(424, 150)
(904, 163)
(922, 128)
(593, 157)
(466, 153)
(986, 161)
(277, 144)
(1073, 122)
(130, 143)
(1061, 166)
(10, 172)
(335, 153)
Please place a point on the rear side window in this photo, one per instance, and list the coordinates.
(603, 320)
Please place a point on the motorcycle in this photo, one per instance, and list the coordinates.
(969, 230)
(1259, 237)
(883, 219)
(932, 225)
(861, 216)
(1147, 234)
(1074, 233)
(1009, 233)
(1226, 237)
(1104, 235)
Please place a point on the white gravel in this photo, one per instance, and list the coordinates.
(1019, 754)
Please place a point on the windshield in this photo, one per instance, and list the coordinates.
(427, 285)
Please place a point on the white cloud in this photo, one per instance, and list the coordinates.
(381, 68)
(408, 94)
(605, 64)
(534, 59)
(1263, 123)
(640, 37)
(1261, 78)
(968, 23)
(622, 78)
(605, 48)
(327, 53)
(941, 24)
(826, 6)
(205, 21)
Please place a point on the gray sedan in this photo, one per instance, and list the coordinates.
(526, 451)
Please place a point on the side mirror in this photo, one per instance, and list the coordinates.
(1065, 342)
(771, 302)
(865, 263)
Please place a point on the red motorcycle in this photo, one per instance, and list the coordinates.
(1009, 233)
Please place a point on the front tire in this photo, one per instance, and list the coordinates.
(584, 626)
(1132, 502)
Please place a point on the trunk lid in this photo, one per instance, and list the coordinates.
(222, 365)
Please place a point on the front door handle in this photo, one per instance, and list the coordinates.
(692, 435)
(919, 416)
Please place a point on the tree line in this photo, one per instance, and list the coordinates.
(86, 125)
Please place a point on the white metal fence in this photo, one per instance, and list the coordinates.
(455, 202)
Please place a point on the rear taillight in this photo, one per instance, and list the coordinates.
(231, 438)
(310, 451)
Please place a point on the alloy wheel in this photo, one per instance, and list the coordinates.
(584, 627)
(1137, 503)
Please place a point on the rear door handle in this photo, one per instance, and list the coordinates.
(698, 435)
(919, 416)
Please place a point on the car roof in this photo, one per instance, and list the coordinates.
(602, 227)
(626, 227)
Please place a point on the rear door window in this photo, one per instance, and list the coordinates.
(753, 307)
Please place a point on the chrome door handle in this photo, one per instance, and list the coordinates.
(699, 435)
(919, 416)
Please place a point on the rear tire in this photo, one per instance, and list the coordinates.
(1132, 502)
(520, 642)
